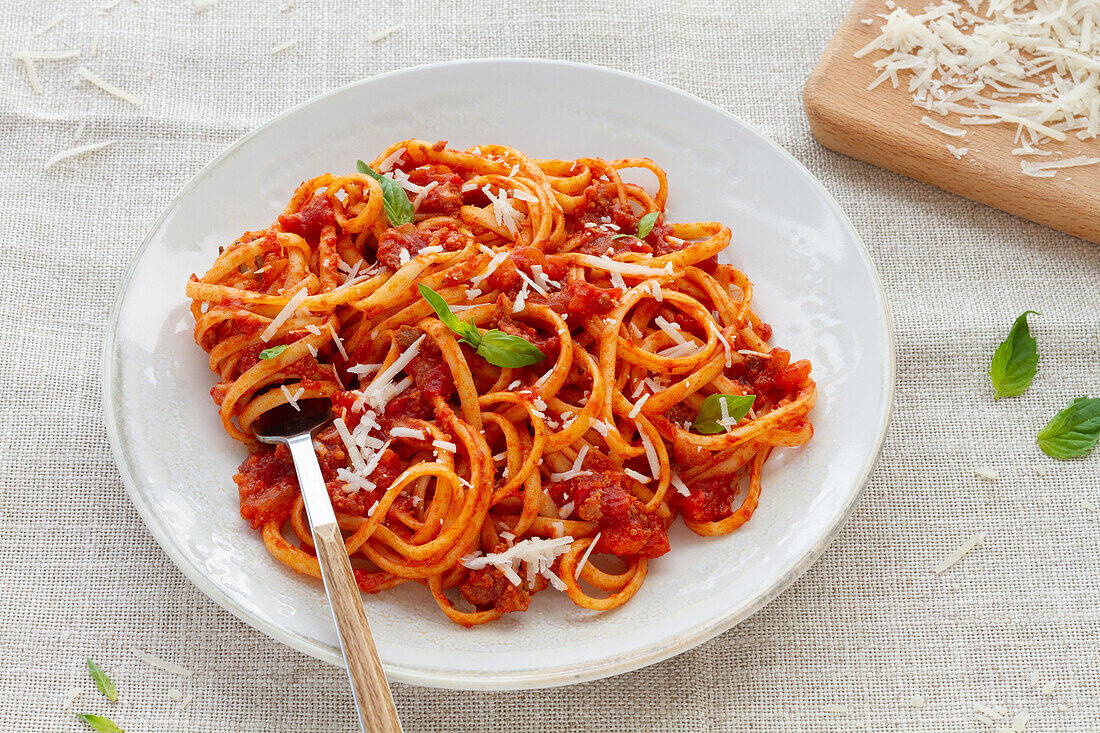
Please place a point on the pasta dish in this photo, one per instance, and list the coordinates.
(532, 372)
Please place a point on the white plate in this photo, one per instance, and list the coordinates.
(814, 284)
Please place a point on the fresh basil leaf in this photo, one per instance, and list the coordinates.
(399, 210)
(1073, 431)
(468, 331)
(505, 350)
(621, 236)
(710, 412)
(645, 224)
(1014, 361)
(103, 683)
(99, 723)
(274, 351)
(496, 347)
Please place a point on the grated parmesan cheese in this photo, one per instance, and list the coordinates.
(1046, 169)
(650, 454)
(94, 79)
(349, 444)
(986, 710)
(391, 160)
(494, 262)
(586, 555)
(73, 152)
(283, 47)
(384, 33)
(336, 340)
(521, 299)
(292, 399)
(71, 696)
(284, 315)
(382, 388)
(671, 329)
(603, 262)
(1030, 65)
(575, 470)
(32, 75)
(539, 554)
(940, 127)
(987, 473)
(162, 664)
(419, 198)
(959, 553)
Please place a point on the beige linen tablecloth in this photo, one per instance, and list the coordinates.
(1014, 627)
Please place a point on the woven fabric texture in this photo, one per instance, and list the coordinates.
(1015, 626)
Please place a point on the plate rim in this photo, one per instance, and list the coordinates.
(553, 677)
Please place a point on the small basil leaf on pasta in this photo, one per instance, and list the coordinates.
(274, 351)
(103, 683)
(468, 331)
(645, 224)
(1014, 361)
(505, 350)
(399, 210)
(710, 417)
(1073, 431)
(100, 723)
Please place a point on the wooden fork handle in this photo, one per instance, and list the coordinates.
(368, 682)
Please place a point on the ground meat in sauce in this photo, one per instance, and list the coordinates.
(310, 219)
(359, 503)
(613, 244)
(627, 530)
(267, 485)
(427, 369)
(506, 276)
(488, 588)
(445, 197)
(412, 403)
(770, 378)
(548, 345)
(602, 202)
(709, 501)
(579, 299)
(410, 239)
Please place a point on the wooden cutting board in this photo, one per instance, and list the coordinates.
(882, 127)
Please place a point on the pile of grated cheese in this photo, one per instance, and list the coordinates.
(1032, 64)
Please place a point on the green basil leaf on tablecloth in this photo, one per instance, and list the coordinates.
(1073, 431)
(100, 723)
(103, 683)
(1014, 362)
